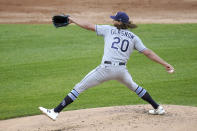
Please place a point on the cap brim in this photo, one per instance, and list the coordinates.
(113, 17)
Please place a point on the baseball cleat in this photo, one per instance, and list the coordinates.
(50, 113)
(158, 111)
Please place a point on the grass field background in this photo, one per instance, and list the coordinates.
(39, 65)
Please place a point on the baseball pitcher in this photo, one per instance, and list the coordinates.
(119, 43)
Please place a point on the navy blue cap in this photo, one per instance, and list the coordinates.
(121, 16)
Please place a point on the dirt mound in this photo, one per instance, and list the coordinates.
(119, 118)
(98, 11)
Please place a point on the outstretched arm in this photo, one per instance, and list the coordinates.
(153, 56)
(82, 24)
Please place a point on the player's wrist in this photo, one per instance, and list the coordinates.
(70, 19)
(165, 64)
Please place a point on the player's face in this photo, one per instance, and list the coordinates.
(116, 22)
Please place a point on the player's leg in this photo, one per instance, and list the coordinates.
(127, 80)
(95, 77)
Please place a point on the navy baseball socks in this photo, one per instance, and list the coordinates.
(67, 100)
(142, 93)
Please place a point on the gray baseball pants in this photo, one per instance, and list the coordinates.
(106, 72)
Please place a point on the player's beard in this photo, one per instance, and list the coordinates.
(117, 25)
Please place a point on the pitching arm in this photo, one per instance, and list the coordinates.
(153, 56)
(83, 24)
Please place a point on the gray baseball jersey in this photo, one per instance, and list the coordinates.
(119, 44)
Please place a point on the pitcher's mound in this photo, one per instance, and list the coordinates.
(119, 118)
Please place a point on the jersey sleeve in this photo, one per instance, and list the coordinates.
(101, 30)
(139, 45)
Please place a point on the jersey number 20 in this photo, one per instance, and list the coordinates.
(124, 44)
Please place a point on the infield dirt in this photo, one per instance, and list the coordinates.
(98, 11)
(123, 118)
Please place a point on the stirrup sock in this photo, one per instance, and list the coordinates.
(142, 93)
(67, 100)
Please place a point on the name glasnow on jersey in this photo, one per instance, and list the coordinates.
(119, 44)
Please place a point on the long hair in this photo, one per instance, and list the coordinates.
(126, 25)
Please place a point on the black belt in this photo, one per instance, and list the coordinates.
(109, 62)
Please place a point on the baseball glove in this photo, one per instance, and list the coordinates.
(60, 20)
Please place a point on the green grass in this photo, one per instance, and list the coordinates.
(39, 65)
